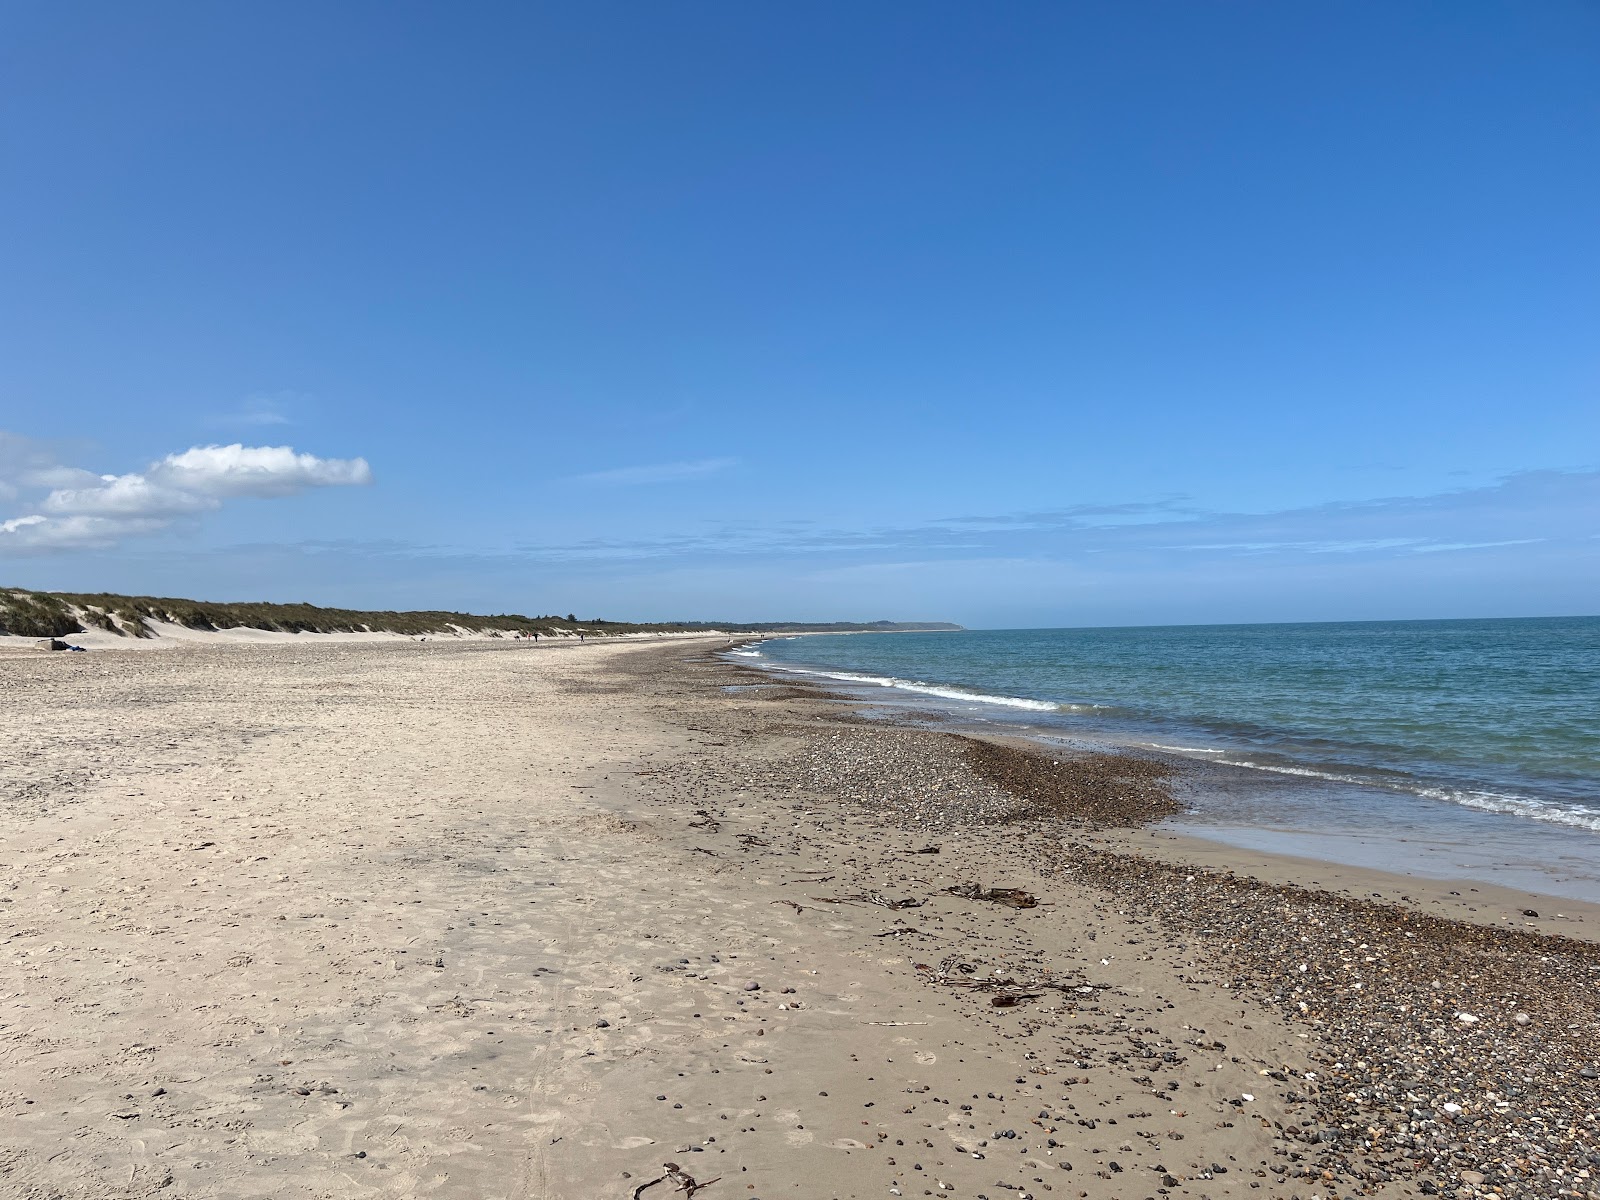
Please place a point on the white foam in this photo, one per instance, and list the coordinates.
(1576, 816)
(940, 690)
(1302, 771)
(1184, 749)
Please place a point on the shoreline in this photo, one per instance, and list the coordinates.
(1159, 836)
(480, 922)
(1284, 810)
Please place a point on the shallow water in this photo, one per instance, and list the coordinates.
(1448, 748)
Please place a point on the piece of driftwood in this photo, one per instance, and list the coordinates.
(687, 1184)
(1010, 989)
(1010, 897)
(877, 898)
(1012, 999)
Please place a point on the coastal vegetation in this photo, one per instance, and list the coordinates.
(60, 614)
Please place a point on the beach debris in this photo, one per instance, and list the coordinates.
(1010, 897)
(686, 1183)
(749, 840)
(877, 898)
(900, 931)
(1010, 989)
(927, 850)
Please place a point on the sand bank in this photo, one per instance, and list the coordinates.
(481, 919)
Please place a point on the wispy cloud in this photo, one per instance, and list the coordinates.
(672, 472)
(82, 510)
(1522, 509)
(260, 410)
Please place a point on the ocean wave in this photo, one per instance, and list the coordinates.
(1305, 772)
(1184, 749)
(1574, 816)
(942, 691)
(1577, 816)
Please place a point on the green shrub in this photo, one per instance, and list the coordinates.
(36, 614)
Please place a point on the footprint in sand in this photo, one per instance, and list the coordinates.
(926, 1058)
(632, 1143)
(800, 1137)
(847, 1144)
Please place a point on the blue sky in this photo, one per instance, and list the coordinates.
(1019, 314)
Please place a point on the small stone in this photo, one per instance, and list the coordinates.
(1589, 1073)
(1472, 1177)
(1522, 1018)
(752, 986)
(602, 1023)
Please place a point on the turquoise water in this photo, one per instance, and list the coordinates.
(1411, 723)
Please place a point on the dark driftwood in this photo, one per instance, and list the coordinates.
(1010, 897)
(877, 898)
(687, 1184)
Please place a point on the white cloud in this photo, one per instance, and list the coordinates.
(256, 471)
(671, 472)
(85, 510)
(127, 495)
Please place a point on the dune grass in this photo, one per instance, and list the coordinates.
(59, 614)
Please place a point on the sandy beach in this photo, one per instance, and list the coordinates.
(486, 919)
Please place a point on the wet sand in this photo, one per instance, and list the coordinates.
(485, 920)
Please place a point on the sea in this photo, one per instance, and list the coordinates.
(1465, 749)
